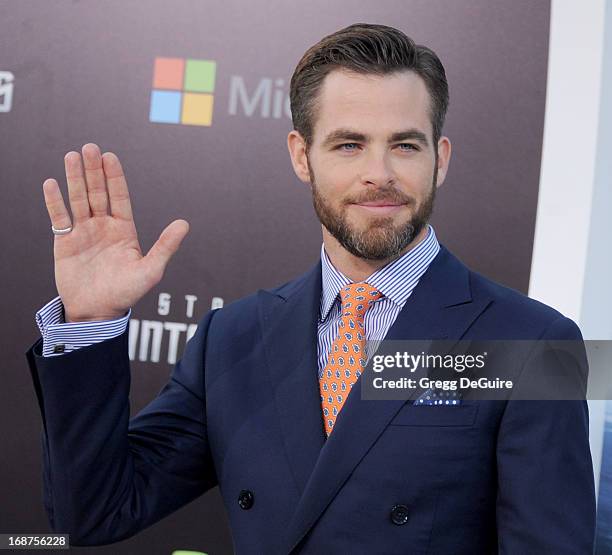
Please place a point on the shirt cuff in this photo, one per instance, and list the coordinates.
(60, 337)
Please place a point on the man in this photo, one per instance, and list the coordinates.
(264, 403)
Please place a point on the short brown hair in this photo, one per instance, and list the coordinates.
(369, 49)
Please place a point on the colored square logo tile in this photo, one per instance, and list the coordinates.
(169, 73)
(165, 107)
(197, 109)
(200, 75)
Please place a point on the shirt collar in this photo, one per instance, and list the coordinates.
(395, 281)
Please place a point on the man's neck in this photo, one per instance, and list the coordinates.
(356, 268)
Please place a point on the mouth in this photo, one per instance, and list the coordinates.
(380, 208)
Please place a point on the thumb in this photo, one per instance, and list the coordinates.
(164, 248)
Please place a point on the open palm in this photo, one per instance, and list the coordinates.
(100, 270)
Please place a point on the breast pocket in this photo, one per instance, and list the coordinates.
(432, 415)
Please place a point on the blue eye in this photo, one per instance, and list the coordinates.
(342, 147)
(408, 146)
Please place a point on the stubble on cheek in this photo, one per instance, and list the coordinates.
(372, 237)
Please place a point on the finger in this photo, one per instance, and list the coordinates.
(58, 213)
(94, 177)
(77, 190)
(120, 204)
(168, 243)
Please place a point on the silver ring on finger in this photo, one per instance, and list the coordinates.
(61, 231)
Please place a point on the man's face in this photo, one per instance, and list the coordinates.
(372, 164)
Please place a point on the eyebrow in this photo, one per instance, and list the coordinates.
(351, 135)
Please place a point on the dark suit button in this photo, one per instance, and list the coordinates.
(399, 514)
(59, 348)
(246, 499)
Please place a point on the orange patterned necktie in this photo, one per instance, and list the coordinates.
(347, 357)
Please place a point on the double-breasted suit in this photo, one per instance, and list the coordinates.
(242, 410)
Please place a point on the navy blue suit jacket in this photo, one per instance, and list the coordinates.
(242, 410)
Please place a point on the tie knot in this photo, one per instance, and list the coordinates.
(357, 297)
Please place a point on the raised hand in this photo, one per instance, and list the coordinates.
(100, 271)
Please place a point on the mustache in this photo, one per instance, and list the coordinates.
(392, 196)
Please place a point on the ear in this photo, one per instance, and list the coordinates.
(444, 155)
(297, 150)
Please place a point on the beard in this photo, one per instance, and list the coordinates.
(381, 239)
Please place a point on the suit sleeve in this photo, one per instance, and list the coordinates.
(546, 493)
(107, 477)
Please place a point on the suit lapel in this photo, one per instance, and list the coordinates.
(289, 320)
(440, 307)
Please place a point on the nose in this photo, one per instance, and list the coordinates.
(377, 170)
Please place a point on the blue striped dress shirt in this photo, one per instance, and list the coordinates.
(60, 337)
(395, 281)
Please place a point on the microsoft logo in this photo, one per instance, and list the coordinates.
(182, 91)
